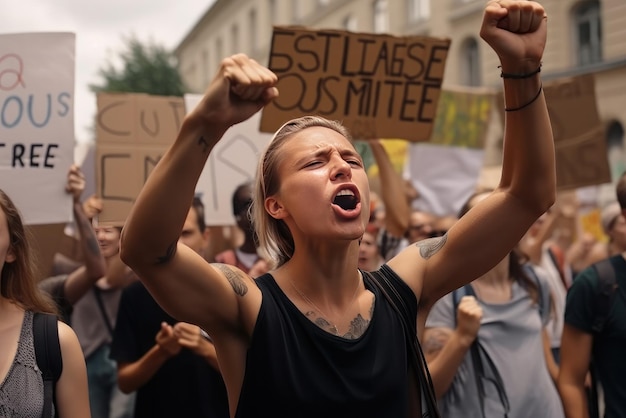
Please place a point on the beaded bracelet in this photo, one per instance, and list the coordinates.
(520, 76)
(515, 109)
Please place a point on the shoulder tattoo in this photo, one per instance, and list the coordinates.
(169, 253)
(431, 246)
(234, 278)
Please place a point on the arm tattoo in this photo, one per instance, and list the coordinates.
(169, 253)
(235, 279)
(431, 246)
(204, 144)
(436, 340)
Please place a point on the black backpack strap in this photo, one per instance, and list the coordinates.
(477, 354)
(379, 280)
(48, 354)
(607, 286)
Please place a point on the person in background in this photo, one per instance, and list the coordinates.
(246, 256)
(21, 380)
(584, 339)
(503, 314)
(542, 252)
(93, 320)
(67, 289)
(311, 207)
(171, 365)
(614, 226)
(370, 258)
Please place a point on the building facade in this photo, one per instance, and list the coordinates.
(585, 36)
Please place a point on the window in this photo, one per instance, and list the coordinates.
(470, 63)
(615, 149)
(234, 38)
(588, 33)
(381, 16)
(252, 28)
(419, 10)
(297, 9)
(206, 72)
(219, 50)
(349, 23)
(273, 11)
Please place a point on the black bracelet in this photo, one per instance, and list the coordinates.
(515, 109)
(520, 76)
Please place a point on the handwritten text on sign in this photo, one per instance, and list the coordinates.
(377, 85)
(37, 123)
(133, 133)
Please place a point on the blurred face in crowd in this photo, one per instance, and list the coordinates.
(191, 235)
(420, 226)
(369, 257)
(617, 234)
(108, 240)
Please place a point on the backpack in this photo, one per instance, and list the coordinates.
(607, 286)
(48, 354)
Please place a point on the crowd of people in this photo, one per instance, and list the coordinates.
(332, 301)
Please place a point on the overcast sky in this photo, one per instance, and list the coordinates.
(100, 27)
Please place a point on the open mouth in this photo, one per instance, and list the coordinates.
(346, 199)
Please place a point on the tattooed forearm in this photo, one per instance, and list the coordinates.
(169, 253)
(204, 144)
(236, 280)
(431, 246)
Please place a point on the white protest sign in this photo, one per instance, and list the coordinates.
(232, 161)
(37, 123)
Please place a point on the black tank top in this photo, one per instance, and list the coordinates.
(295, 369)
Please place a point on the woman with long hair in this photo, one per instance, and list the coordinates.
(487, 344)
(21, 387)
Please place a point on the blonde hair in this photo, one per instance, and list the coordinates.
(273, 234)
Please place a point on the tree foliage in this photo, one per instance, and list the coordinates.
(146, 68)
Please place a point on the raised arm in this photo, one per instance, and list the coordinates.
(397, 209)
(181, 281)
(81, 280)
(516, 30)
(445, 349)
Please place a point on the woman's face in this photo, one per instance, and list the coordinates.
(109, 240)
(324, 191)
(369, 258)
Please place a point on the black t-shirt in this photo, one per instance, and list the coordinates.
(296, 369)
(609, 346)
(186, 385)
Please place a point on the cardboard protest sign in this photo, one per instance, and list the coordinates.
(232, 162)
(46, 241)
(580, 145)
(447, 170)
(37, 123)
(378, 86)
(133, 132)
